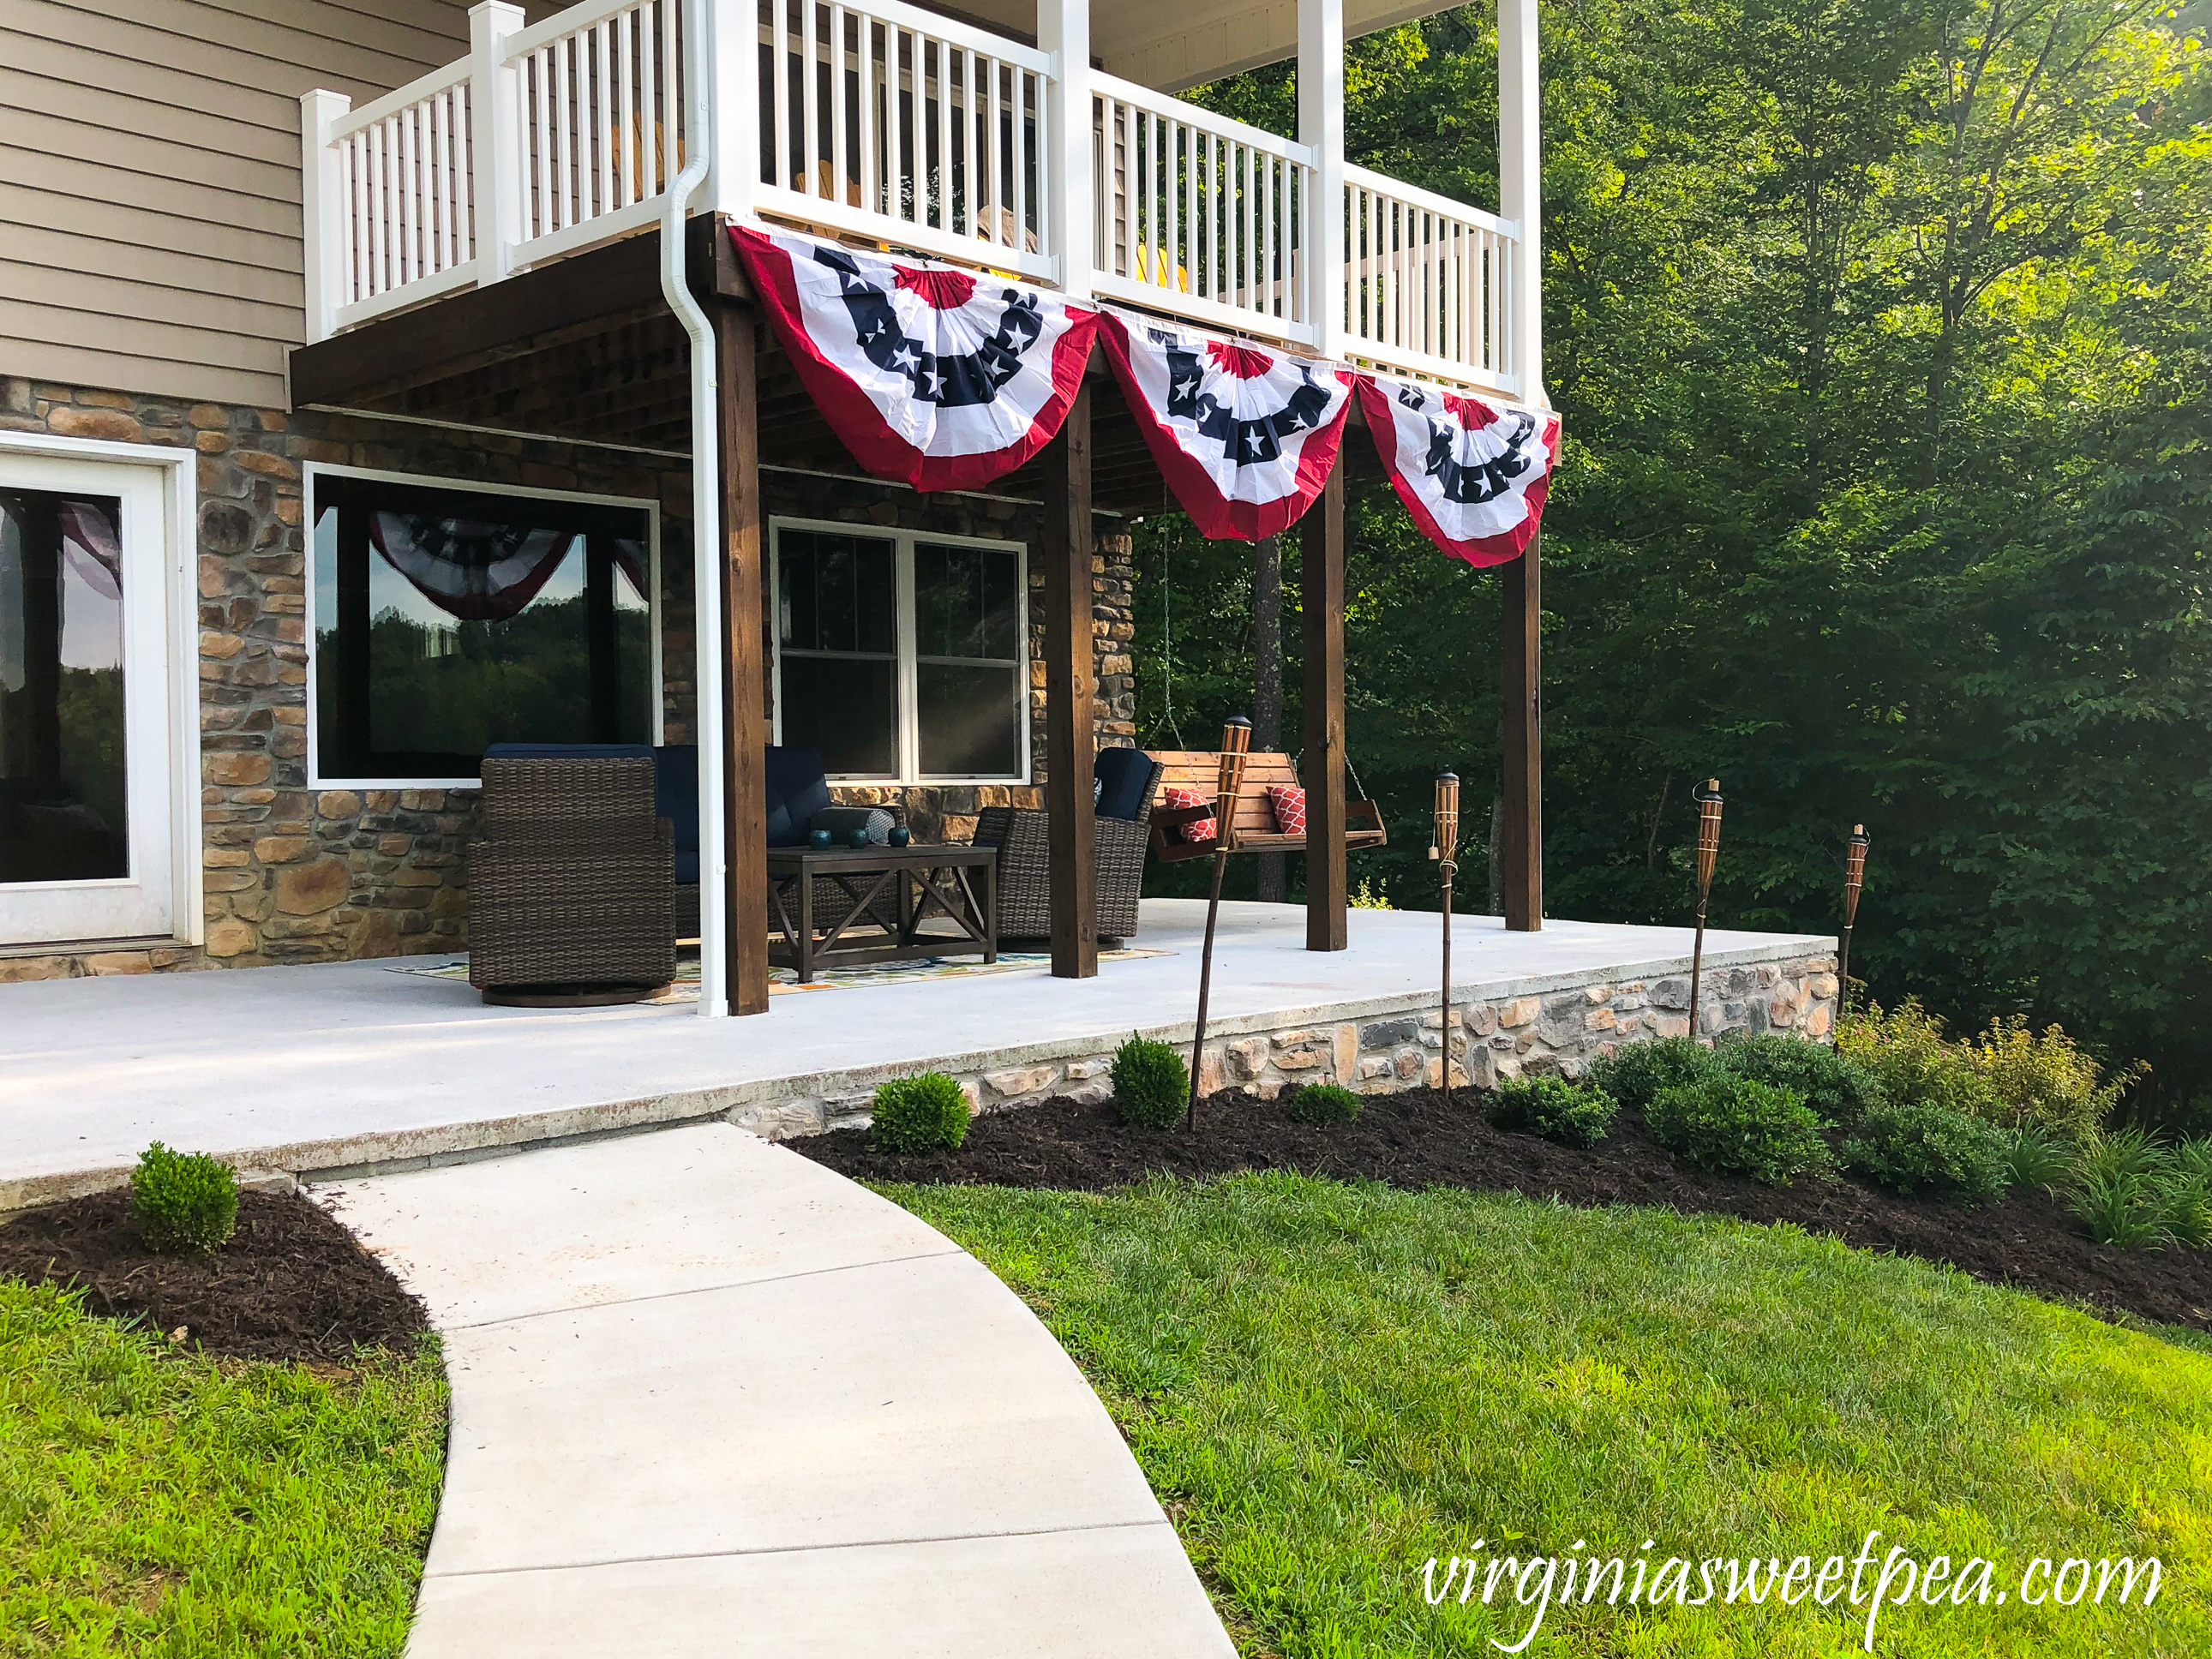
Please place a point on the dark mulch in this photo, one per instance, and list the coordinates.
(1415, 1140)
(291, 1284)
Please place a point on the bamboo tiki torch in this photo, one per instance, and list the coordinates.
(1855, 852)
(1236, 744)
(1709, 847)
(1443, 849)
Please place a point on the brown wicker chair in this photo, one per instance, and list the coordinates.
(571, 884)
(1022, 837)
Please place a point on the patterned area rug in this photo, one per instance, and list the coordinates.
(782, 980)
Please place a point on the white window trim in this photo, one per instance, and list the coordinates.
(909, 736)
(653, 600)
(180, 617)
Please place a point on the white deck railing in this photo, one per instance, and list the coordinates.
(874, 119)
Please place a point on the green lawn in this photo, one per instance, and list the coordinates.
(1331, 1384)
(152, 1502)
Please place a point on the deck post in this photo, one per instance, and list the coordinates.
(744, 689)
(1520, 830)
(1071, 694)
(1064, 30)
(1320, 597)
(496, 189)
(1520, 194)
(1320, 125)
(323, 208)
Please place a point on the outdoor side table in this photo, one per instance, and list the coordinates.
(892, 892)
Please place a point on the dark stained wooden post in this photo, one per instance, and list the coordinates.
(744, 689)
(1320, 596)
(1071, 694)
(1521, 831)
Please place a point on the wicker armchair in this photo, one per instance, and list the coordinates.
(571, 883)
(1022, 835)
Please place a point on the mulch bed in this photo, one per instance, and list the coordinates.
(291, 1284)
(1415, 1140)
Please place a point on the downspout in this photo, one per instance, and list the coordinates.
(708, 610)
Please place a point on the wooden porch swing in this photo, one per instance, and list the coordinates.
(1252, 824)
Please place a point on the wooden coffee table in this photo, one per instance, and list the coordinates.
(892, 892)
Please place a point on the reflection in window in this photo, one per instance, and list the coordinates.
(447, 620)
(837, 623)
(966, 603)
(63, 804)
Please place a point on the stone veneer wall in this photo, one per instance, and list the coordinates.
(296, 874)
(1556, 1027)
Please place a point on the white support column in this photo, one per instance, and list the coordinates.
(1520, 193)
(733, 58)
(1064, 30)
(323, 210)
(1320, 125)
(494, 137)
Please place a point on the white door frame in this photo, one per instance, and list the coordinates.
(160, 487)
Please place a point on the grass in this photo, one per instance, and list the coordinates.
(154, 1502)
(1330, 1384)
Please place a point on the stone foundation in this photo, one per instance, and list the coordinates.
(1555, 1027)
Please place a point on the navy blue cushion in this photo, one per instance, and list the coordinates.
(687, 867)
(796, 791)
(1123, 775)
(676, 797)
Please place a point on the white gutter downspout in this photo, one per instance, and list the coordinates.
(708, 610)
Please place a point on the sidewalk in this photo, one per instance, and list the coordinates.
(711, 1399)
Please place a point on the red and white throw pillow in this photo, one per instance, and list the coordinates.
(1289, 802)
(1197, 829)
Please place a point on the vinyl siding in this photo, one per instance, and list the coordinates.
(150, 179)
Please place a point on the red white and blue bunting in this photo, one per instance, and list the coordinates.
(941, 378)
(1472, 475)
(1245, 437)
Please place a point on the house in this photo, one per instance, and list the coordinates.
(354, 365)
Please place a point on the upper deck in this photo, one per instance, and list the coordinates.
(910, 129)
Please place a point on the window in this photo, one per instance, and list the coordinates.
(447, 619)
(902, 657)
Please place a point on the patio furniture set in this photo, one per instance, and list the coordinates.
(586, 875)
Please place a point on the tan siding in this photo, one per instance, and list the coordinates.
(150, 179)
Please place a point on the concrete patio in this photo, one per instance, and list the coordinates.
(353, 1067)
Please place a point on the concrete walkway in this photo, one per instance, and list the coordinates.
(709, 1398)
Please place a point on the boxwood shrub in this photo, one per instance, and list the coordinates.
(927, 1113)
(1573, 1114)
(185, 1203)
(1152, 1085)
(1635, 1075)
(1840, 1089)
(1323, 1102)
(1730, 1123)
(1918, 1148)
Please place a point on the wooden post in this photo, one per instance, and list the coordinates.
(1071, 692)
(1320, 555)
(744, 689)
(1522, 828)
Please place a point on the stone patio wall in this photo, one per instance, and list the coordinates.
(298, 874)
(1556, 1027)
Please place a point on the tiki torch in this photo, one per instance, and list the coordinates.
(1445, 849)
(1855, 852)
(1709, 847)
(1236, 744)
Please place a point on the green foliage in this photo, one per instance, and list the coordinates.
(2037, 1160)
(1730, 1123)
(1637, 1073)
(1152, 1085)
(1838, 1089)
(1338, 1381)
(1572, 1113)
(1883, 338)
(2131, 1191)
(2188, 1209)
(925, 1113)
(2120, 1207)
(154, 1501)
(1913, 1147)
(1323, 1102)
(1368, 895)
(1905, 1052)
(185, 1203)
(2045, 1080)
